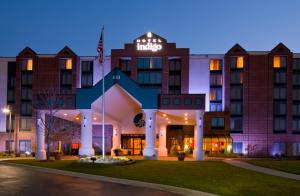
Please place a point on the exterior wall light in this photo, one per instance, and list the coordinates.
(84, 121)
(150, 122)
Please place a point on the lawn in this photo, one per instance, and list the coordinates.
(209, 176)
(291, 166)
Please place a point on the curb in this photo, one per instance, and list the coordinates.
(161, 187)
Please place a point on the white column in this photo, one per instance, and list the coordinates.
(162, 150)
(86, 148)
(149, 151)
(40, 151)
(116, 138)
(198, 136)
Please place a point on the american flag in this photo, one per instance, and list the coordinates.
(100, 48)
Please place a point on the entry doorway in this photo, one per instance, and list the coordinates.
(133, 144)
(180, 138)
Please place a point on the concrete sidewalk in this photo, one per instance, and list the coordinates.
(167, 188)
(264, 170)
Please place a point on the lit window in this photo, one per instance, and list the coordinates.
(276, 62)
(69, 64)
(240, 62)
(214, 64)
(29, 65)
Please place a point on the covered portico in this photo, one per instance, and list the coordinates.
(124, 99)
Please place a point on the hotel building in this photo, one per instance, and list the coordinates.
(159, 99)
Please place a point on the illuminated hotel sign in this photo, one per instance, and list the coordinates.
(149, 43)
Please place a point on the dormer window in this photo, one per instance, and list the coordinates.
(27, 65)
(237, 62)
(66, 63)
(279, 62)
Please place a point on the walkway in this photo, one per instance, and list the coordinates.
(264, 170)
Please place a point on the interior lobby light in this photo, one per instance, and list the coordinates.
(185, 114)
(185, 118)
(164, 115)
(95, 118)
(65, 114)
(5, 110)
(169, 122)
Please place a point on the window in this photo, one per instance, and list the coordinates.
(279, 108)
(65, 64)
(296, 149)
(236, 108)
(279, 93)
(175, 101)
(149, 63)
(296, 109)
(296, 79)
(215, 64)
(66, 78)
(279, 148)
(165, 101)
(175, 65)
(10, 95)
(296, 94)
(175, 76)
(236, 78)
(215, 79)
(296, 64)
(280, 77)
(26, 78)
(87, 74)
(238, 147)
(215, 94)
(279, 124)
(24, 146)
(236, 124)
(236, 92)
(296, 124)
(26, 108)
(217, 123)
(11, 81)
(174, 80)
(147, 77)
(279, 62)
(215, 107)
(125, 65)
(237, 62)
(198, 101)
(27, 65)
(26, 93)
(187, 101)
(26, 124)
(9, 145)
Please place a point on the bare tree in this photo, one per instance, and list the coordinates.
(49, 101)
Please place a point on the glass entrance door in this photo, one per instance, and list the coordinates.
(133, 144)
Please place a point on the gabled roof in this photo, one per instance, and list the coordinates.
(237, 49)
(66, 51)
(150, 35)
(280, 49)
(27, 52)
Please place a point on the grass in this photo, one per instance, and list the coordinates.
(209, 176)
(291, 166)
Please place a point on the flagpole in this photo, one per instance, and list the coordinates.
(103, 100)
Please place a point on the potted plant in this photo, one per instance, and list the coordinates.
(118, 152)
(57, 155)
(181, 155)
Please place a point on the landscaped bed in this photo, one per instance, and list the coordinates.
(209, 176)
(286, 165)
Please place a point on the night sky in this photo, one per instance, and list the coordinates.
(203, 26)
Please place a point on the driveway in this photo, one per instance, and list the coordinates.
(16, 180)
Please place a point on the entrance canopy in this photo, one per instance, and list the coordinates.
(146, 97)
